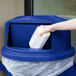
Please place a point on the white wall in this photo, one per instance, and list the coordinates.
(55, 7)
(9, 9)
(20, 7)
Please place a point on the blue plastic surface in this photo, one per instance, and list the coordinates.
(18, 32)
(2, 67)
(28, 54)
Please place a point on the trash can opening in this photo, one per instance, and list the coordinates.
(20, 34)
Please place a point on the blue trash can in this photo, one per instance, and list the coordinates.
(18, 32)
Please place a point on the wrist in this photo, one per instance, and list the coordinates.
(52, 28)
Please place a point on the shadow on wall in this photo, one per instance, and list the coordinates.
(2, 73)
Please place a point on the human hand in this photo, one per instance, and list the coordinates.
(47, 28)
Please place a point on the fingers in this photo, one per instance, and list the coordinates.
(42, 26)
(44, 30)
(48, 28)
(42, 33)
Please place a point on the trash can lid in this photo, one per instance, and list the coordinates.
(36, 19)
(29, 54)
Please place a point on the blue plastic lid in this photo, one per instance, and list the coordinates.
(60, 41)
(29, 54)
